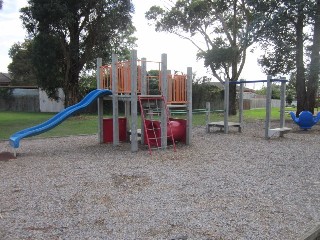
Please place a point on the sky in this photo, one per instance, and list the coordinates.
(150, 44)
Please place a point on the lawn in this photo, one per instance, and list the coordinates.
(11, 122)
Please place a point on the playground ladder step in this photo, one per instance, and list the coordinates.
(152, 128)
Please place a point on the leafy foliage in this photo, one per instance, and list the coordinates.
(6, 93)
(21, 68)
(153, 82)
(69, 35)
(275, 91)
(288, 46)
(87, 83)
(203, 91)
(227, 28)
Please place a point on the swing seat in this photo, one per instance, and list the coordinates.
(305, 120)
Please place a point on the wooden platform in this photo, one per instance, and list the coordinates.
(281, 131)
(221, 125)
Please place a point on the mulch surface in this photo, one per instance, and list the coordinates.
(6, 156)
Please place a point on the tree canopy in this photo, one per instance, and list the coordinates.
(21, 68)
(69, 35)
(227, 28)
(292, 44)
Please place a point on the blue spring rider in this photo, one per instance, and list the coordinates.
(305, 120)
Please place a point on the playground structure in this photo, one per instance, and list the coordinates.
(269, 132)
(130, 83)
(305, 120)
(124, 81)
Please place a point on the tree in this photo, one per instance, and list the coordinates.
(313, 81)
(1, 4)
(275, 91)
(228, 29)
(69, 35)
(285, 44)
(203, 91)
(153, 82)
(21, 68)
(291, 88)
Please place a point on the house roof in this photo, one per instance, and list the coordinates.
(5, 78)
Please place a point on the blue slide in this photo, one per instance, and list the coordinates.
(58, 118)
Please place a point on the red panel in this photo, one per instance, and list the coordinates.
(108, 130)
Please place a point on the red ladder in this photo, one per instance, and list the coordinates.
(151, 108)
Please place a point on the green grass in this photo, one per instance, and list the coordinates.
(260, 114)
(11, 122)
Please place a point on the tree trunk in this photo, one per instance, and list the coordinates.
(315, 63)
(232, 99)
(234, 65)
(73, 87)
(300, 79)
(74, 70)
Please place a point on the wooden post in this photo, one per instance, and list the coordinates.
(189, 106)
(241, 105)
(134, 99)
(115, 109)
(268, 107)
(99, 103)
(282, 104)
(226, 105)
(207, 117)
(144, 85)
(127, 115)
(164, 91)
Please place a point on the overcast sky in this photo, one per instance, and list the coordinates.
(180, 53)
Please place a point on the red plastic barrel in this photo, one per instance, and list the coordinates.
(178, 128)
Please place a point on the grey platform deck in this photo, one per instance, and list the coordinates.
(221, 125)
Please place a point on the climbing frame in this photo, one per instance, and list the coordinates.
(153, 110)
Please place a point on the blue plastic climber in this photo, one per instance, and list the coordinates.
(305, 120)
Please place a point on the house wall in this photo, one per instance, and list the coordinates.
(49, 105)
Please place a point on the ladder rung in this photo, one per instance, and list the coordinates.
(149, 106)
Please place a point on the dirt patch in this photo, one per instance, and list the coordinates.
(6, 156)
